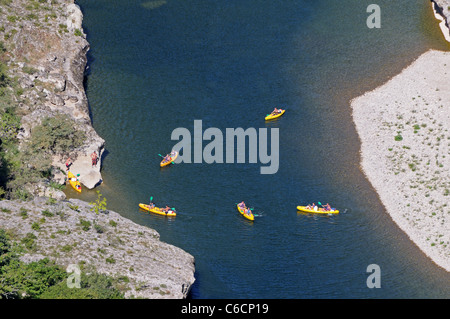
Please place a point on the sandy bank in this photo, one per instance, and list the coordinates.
(404, 130)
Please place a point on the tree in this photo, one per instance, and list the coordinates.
(99, 204)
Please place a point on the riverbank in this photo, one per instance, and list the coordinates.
(68, 232)
(403, 128)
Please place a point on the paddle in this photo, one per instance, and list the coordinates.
(256, 215)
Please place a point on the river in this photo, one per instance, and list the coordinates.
(155, 66)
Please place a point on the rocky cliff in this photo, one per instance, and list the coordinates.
(70, 233)
(47, 57)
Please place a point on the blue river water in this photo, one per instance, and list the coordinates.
(155, 66)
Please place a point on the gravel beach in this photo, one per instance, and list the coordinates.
(404, 127)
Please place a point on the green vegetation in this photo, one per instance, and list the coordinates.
(56, 134)
(62, 28)
(47, 213)
(112, 223)
(99, 204)
(12, 19)
(44, 279)
(99, 229)
(29, 69)
(85, 224)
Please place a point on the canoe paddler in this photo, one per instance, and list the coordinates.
(276, 111)
(151, 204)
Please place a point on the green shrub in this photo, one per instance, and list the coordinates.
(73, 207)
(56, 134)
(9, 124)
(29, 69)
(99, 229)
(66, 248)
(4, 78)
(93, 286)
(99, 204)
(23, 212)
(47, 213)
(12, 19)
(29, 241)
(85, 224)
(32, 16)
(57, 186)
(398, 137)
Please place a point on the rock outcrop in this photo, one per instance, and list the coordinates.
(48, 59)
(70, 233)
(442, 12)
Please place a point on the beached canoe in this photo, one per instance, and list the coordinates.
(274, 116)
(73, 180)
(318, 211)
(157, 210)
(249, 217)
(173, 156)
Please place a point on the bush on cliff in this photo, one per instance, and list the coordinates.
(56, 135)
(9, 124)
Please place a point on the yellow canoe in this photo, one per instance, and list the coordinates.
(157, 210)
(274, 116)
(75, 183)
(249, 217)
(173, 156)
(318, 211)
